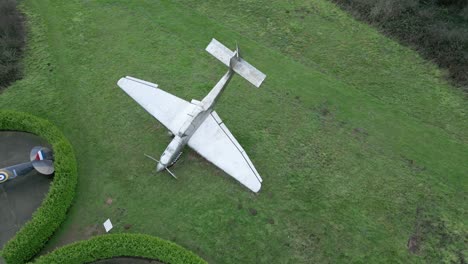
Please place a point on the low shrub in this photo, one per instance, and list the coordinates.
(121, 245)
(52, 212)
(12, 36)
(438, 29)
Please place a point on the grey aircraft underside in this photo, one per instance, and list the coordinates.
(41, 159)
(196, 124)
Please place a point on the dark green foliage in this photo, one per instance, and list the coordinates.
(12, 36)
(438, 29)
(35, 233)
(119, 245)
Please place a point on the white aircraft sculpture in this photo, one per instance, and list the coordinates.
(196, 123)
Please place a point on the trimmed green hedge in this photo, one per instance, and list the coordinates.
(121, 245)
(47, 218)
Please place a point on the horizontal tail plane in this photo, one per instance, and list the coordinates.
(241, 67)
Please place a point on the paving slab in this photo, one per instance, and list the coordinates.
(20, 197)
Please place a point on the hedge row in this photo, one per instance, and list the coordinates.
(120, 245)
(52, 212)
(436, 28)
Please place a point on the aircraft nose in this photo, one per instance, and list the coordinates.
(159, 167)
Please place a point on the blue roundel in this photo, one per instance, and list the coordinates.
(3, 176)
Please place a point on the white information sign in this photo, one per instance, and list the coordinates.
(108, 225)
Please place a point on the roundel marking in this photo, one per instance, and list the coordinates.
(3, 176)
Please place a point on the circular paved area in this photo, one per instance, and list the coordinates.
(127, 260)
(19, 197)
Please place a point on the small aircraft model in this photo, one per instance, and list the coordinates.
(196, 123)
(42, 160)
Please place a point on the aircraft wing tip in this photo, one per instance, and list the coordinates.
(256, 188)
(121, 81)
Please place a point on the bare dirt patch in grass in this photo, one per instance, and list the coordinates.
(432, 236)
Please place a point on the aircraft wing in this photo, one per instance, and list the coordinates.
(213, 141)
(164, 106)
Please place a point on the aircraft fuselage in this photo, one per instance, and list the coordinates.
(193, 120)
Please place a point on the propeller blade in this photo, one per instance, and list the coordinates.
(170, 172)
(148, 156)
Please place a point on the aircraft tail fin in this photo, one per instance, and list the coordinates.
(234, 61)
(42, 159)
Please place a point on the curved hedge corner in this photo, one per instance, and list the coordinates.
(121, 245)
(48, 217)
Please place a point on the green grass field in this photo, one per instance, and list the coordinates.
(361, 144)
